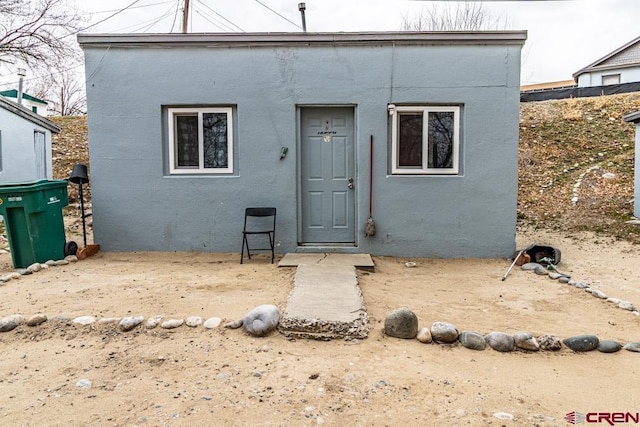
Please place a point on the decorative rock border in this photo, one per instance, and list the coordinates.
(125, 324)
(447, 333)
(576, 186)
(399, 321)
(36, 267)
(553, 274)
(498, 341)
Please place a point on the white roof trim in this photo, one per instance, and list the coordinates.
(28, 114)
(307, 39)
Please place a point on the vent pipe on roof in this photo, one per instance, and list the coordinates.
(21, 74)
(301, 8)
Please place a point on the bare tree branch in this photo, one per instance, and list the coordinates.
(35, 33)
(64, 92)
(463, 16)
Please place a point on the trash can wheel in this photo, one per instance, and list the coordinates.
(70, 248)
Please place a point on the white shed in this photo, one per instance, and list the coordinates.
(25, 144)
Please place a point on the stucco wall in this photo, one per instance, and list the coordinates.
(17, 145)
(137, 205)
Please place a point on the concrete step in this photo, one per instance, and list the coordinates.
(361, 261)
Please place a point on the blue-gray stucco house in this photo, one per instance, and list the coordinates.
(187, 130)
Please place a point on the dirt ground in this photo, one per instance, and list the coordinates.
(195, 376)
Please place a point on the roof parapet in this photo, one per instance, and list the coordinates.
(307, 39)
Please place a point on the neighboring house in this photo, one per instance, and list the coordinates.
(618, 67)
(562, 84)
(34, 104)
(25, 144)
(187, 130)
(635, 118)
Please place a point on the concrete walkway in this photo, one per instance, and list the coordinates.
(326, 301)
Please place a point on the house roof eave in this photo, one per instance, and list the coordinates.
(612, 67)
(604, 58)
(13, 93)
(28, 115)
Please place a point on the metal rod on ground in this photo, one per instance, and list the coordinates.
(512, 264)
(84, 223)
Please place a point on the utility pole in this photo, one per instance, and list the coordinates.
(185, 16)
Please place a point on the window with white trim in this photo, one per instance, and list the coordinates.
(425, 139)
(200, 140)
(610, 79)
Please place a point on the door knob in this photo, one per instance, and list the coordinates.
(350, 185)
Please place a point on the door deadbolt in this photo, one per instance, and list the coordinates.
(350, 185)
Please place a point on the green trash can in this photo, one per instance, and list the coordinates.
(32, 214)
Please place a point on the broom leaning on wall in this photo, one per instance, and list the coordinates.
(370, 227)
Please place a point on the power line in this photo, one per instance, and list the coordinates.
(210, 21)
(134, 7)
(283, 17)
(213, 19)
(146, 28)
(208, 7)
(139, 25)
(102, 20)
(175, 16)
(40, 77)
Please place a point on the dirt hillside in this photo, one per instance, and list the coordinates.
(576, 165)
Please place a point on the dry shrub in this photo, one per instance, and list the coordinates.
(526, 159)
(572, 109)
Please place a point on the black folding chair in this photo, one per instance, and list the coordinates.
(259, 221)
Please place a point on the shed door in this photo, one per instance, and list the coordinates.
(40, 148)
(327, 175)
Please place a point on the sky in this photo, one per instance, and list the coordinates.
(563, 36)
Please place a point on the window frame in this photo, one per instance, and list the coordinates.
(615, 76)
(425, 110)
(172, 113)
